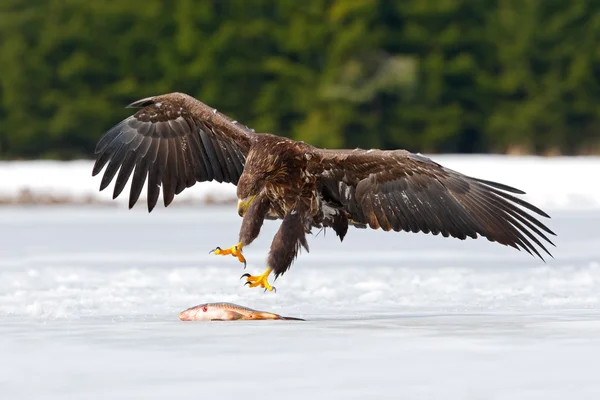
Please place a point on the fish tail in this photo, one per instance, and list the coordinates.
(292, 319)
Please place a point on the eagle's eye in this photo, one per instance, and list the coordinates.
(249, 186)
(256, 187)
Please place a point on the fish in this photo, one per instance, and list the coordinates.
(227, 312)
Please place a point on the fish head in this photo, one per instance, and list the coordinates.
(190, 313)
(209, 312)
(202, 312)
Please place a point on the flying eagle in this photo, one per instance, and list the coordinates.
(174, 141)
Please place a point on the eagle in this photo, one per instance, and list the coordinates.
(174, 140)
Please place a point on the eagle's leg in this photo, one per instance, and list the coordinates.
(284, 248)
(251, 224)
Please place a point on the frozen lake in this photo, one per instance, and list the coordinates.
(89, 299)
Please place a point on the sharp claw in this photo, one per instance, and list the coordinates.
(244, 264)
(274, 289)
(247, 283)
(245, 275)
(215, 249)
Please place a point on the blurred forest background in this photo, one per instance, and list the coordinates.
(501, 76)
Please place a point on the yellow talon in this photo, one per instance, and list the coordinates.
(260, 280)
(235, 251)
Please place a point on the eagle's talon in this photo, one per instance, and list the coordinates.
(214, 250)
(235, 251)
(260, 280)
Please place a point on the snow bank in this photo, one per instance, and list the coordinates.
(551, 183)
(47, 182)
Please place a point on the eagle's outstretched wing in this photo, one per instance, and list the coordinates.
(174, 141)
(398, 190)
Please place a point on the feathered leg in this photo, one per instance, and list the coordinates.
(286, 243)
(284, 249)
(253, 220)
(250, 229)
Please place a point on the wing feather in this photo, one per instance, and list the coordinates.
(157, 169)
(213, 161)
(170, 177)
(124, 173)
(113, 165)
(402, 191)
(204, 170)
(173, 141)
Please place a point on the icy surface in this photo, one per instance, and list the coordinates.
(551, 183)
(89, 298)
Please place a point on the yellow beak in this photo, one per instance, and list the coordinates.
(244, 204)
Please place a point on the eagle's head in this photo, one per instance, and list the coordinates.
(266, 169)
(249, 187)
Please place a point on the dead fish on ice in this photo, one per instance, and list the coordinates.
(227, 312)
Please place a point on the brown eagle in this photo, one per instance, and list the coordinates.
(174, 141)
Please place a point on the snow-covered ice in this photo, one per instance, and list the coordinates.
(89, 298)
(551, 183)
